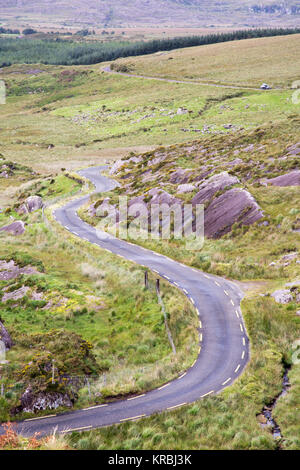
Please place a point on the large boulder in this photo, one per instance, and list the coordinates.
(15, 228)
(31, 204)
(282, 296)
(289, 179)
(234, 206)
(210, 187)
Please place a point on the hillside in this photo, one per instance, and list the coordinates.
(103, 13)
(234, 149)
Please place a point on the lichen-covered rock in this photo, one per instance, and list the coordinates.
(283, 296)
(15, 228)
(234, 206)
(289, 179)
(210, 187)
(32, 403)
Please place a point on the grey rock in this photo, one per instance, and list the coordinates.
(282, 296)
(290, 256)
(5, 337)
(234, 206)
(289, 179)
(116, 167)
(185, 188)
(180, 176)
(15, 228)
(294, 150)
(31, 204)
(32, 403)
(16, 294)
(210, 187)
(9, 270)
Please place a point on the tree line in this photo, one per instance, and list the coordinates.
(62, 52)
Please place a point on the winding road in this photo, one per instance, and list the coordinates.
(223, 341)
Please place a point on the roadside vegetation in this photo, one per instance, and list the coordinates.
(58, 119)
(89, 314)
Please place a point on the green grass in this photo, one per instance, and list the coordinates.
(226, 421)
(127, 332)
(243, 63)
(103, 301)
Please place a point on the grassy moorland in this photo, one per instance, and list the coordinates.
(67, 117)
(247, 63)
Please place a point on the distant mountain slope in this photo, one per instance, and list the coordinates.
(154, 12)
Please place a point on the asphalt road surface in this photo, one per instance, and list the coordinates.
(223, 341)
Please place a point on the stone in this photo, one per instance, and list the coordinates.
(5, 337)
(180, 176)
(185, 188)
(16, 294)
(116, 167)
(31, 204)
(294, 150)
(9, 270)
(32, 403)
(234, 206)
(290, 256)
(159, 196)
(283, 296)
(15, 228)
(210, 187)
(289, 179)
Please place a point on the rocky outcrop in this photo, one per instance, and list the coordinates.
(9, 270)
(282, 296)
(31, 204)
(180, 176)
(159, 196)
(15, 228)
(208, 188)
(32, 403)
(5, 337)
(294, 150)
(185, 188)
(116, 167)
(235, 206)
(289, 179)
(16, 294)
